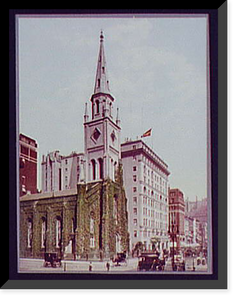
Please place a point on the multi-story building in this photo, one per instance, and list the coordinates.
(188, 231)
(176, 217)
(146, 184)
(28, 165)
(197, 210)
(61, 172)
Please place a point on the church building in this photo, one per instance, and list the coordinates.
(89, 219)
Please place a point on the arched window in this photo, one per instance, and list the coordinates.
(112, 170)
(97, 106)
(110, 108)
(100, 161)
(115, 169)
(58, 229)
(43, 232)
(93, 162)
(29, 232)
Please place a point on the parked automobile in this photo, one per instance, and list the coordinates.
(150, 261)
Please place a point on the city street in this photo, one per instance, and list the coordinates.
(37, 266)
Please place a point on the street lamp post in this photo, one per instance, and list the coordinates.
(173, 234)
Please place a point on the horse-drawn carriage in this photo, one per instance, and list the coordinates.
(120, 257)
(52, 259)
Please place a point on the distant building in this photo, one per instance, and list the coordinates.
(61, 172)
(196, 215)
(176, 215)
(28, 165)
(146, 185)
(197, 209)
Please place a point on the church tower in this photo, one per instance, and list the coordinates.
(101, 131)
(102, 229)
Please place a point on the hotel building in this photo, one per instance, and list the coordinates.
(146, 183)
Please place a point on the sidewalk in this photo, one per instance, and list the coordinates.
(37, 265)
(27, 265)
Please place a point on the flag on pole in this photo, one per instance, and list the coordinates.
(147, 133)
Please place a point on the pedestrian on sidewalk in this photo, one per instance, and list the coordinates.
(90, 268)
(108, 266)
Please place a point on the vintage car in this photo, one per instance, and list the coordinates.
(52, 259)
(150, 262)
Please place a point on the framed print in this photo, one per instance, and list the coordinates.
(115, 174)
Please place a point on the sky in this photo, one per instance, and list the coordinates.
(157, 69)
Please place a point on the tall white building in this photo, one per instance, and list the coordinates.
(146, 184)
(61, 172)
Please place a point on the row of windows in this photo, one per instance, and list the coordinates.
(151, 165)
(28, 152)
(43, 226)
(150, 213)
(155, 224)
(148, 233)
(149, 193)
(162, 183)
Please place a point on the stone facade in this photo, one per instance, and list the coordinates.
(87, 222)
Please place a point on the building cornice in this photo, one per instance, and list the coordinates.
(139, 151)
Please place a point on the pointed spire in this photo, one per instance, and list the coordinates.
(86, 113)
(101, 82)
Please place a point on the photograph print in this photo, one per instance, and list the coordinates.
(114, 144)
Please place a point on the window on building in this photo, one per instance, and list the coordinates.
(92, 242)
(134, 168)
(135, 222)
(97, 104)
(93, 162)
(43, 232)
(135, 211)
(134, 178)
(60, 179)
(29, 233)
(135, 233)
(134, 189)
(135, 200)
(58, 232)
(91, 225)
(100, 161)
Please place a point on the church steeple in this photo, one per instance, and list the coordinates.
(102, 100)
(101, 81)
(101, 131)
